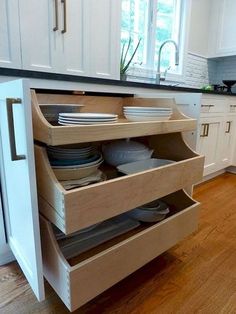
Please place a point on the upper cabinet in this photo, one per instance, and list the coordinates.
(39, 35)
(10, 55)
(222, 24)
(104, 18)
(79, 37)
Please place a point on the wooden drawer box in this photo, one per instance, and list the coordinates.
(79, 208)
(54, 134)
(109, 263)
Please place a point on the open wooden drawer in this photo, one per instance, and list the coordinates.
(79, 208)
(54, 134)
(112, 261)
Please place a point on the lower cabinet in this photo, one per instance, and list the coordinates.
(82, 276)
(209, 143)
(228, 141)
(217, 133)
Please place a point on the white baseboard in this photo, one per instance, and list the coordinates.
(6, 257)
(231, 169)
(211, 176)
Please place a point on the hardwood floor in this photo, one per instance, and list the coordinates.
(196, 276)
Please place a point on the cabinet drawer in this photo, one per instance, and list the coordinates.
(211, 104)
(109, 263)
(51, 133)
(79, 208)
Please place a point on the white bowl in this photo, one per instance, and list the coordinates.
(123, 151)
(142, 165)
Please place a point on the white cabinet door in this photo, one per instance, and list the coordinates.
(10, 54)
(40, 31)
(74, 40)
(103, 31)
(209, 143)
(228, 139)
(19, 182)
(223, 22)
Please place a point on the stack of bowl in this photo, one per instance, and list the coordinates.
(76, 165)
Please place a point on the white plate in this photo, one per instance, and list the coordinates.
(87, 120)
(85, 115)
(136, 118)
(147, 108)
(84, 123)
(89, 164)
(148, 114)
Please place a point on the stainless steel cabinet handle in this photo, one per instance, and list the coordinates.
(204, 127)
(65, 17)
(10, 119)
(205, 130)
(55, 28)
(228, 124)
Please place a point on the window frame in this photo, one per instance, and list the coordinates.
(148, 71)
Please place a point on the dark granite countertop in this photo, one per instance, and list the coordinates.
(93, 80)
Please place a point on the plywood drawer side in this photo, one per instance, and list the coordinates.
(108, 267)
(83, 207)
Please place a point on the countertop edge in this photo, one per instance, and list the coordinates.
(102, 81)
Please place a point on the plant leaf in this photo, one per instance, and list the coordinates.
(130, 60)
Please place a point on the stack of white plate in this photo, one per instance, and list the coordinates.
(147, 113)
(86, 118)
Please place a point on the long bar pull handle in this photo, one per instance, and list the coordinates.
(207, 130)
(228, 123)
(56, 27)
(65, 17)
(204, 130)
(12, 138)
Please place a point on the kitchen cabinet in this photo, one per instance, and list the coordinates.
(222, 23)
(228, 140)
(10, 53)
(104, 37)
(75, 37)
(39, 35)
(80, 280)
(209, 143)
(217, 132)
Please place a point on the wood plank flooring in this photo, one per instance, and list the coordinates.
(196, 276)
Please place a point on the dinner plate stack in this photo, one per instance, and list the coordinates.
(75, 163)
(86, 118)
(147, 113)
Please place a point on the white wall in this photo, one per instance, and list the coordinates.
(199, 27)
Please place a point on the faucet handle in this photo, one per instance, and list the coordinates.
(165, 73)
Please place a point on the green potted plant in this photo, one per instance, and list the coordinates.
(124, 63)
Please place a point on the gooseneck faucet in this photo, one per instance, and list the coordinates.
(158, 75)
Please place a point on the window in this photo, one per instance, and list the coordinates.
(154, 21)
